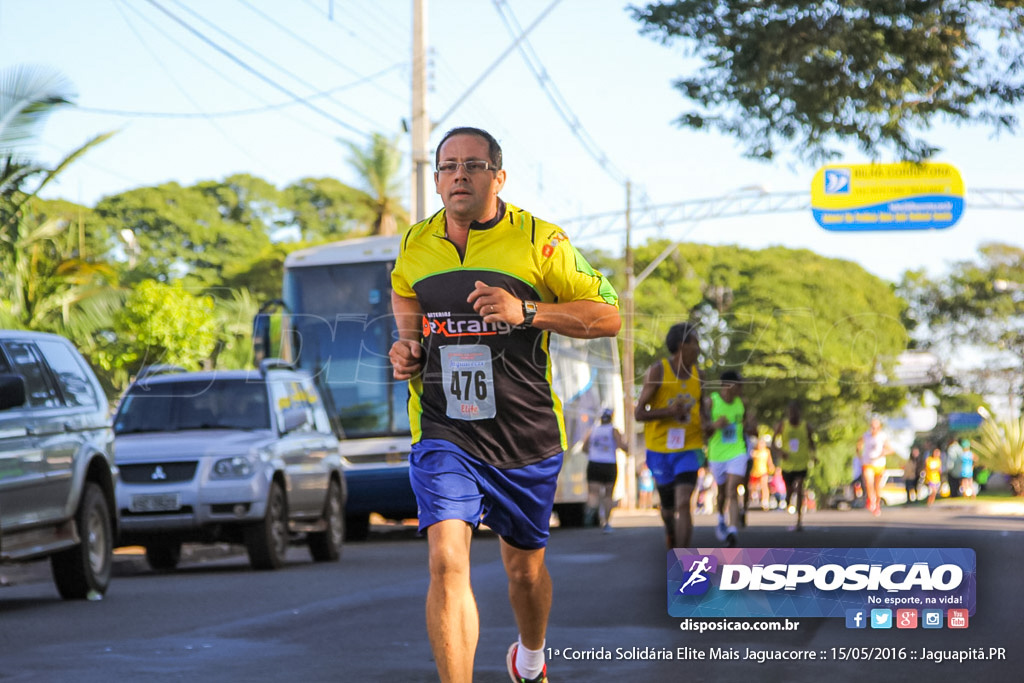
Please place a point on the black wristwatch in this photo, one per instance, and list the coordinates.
(529, 313)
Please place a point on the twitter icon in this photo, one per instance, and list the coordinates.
(881, 618)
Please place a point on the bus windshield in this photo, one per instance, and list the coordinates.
(342, 329)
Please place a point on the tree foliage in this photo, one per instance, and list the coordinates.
(978, 303)
(46, 272)
(158, 324)
(815, 74)
(795, 324)
(189, 233)
(378, 166)
(328, 209)
(28, 95)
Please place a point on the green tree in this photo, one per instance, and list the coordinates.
(378, 166)
(158, 324)
(327, 209)
(234, 315)
(795, 324)
(45, 270)
(246, 200)
(262, 276)
(976, 305)
(816, 74)
(195, 234)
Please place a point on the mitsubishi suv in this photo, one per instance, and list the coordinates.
(237, 456)
(56, 463)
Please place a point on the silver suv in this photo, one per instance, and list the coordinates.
(56, 463)
(228, 456)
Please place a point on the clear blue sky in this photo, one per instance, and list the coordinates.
(131, 57)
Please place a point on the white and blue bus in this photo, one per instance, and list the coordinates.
(337, 324)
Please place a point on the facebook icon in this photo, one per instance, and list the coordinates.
(856, 618)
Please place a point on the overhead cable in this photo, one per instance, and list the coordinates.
(556, 98)
(233, 112)
(258, 74)
(323, 53)
(170, 76)
(267, 60)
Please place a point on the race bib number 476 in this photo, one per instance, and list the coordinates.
(468, 376)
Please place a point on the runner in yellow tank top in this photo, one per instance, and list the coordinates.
(674, 412)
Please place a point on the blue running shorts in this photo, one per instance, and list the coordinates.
(667, 466)
(451, 484)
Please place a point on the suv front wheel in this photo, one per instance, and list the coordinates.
(267, 540)
(325, 546)
(84, 571)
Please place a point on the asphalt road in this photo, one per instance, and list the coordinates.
(362, 619)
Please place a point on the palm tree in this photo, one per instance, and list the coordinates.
(42, 278)
(1000, 447)
(378, 165)
(27, 96)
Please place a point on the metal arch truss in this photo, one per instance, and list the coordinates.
(742, 204)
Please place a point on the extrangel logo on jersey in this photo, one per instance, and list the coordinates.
(696, 580)
(447, 325)
(818, 582)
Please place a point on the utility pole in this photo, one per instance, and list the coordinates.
(420, 119)
(628, 374)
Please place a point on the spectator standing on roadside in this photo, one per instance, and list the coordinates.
(981, 476)
(933, 473)
(912, 470)
(857, 472)
(966, 469)
(645, 495)
(778, 489)
(477, 289)
(953, 466)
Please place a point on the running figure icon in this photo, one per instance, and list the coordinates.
(696, 570)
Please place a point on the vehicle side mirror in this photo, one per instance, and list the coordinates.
(294, 418)
(12, 391)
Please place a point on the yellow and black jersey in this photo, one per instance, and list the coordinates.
(487, 387)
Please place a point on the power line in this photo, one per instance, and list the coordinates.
(384, 40)
(315, 48)
(556, 98)
(233, 112)
(266, 79)
(267, 60)
(209, 66)
(517, 40)
(170, 75)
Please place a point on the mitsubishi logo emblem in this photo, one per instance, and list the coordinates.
(158, 473)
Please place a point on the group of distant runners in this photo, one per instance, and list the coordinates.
(687, 429)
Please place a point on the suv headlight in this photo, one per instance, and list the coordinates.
(236, 467)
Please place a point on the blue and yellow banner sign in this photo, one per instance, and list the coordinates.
(903, 196)
(818, 582)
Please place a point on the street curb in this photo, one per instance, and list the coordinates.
(128, 561)
(989, 508)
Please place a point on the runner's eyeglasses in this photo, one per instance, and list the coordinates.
(472, 166)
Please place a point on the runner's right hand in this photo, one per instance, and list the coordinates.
(406, 359)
